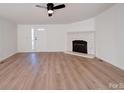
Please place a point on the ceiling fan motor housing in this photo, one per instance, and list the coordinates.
(50, 6)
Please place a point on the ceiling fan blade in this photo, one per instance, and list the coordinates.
(39, 6)
(59, 6)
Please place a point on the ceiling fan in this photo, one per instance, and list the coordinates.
(50, 7)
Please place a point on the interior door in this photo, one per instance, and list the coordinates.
(38, 40)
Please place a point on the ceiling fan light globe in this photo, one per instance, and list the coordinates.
(50, 11)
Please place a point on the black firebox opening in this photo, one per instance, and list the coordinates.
(79, 46)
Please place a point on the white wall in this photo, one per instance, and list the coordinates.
(82, 26)
(56, 35)
(110, 35)
(8, 37)
(24, 38)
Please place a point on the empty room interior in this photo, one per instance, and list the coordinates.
(61, 46)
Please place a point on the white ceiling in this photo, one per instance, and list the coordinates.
(27, 13)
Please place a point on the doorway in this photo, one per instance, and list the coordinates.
(38, 40)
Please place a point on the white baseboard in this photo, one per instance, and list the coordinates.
(4, 58)
(37, 51)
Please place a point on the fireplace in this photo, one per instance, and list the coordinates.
(79, 46)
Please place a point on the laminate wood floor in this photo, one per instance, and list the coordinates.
(58, 71)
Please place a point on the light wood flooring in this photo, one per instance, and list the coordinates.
(58, 71)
